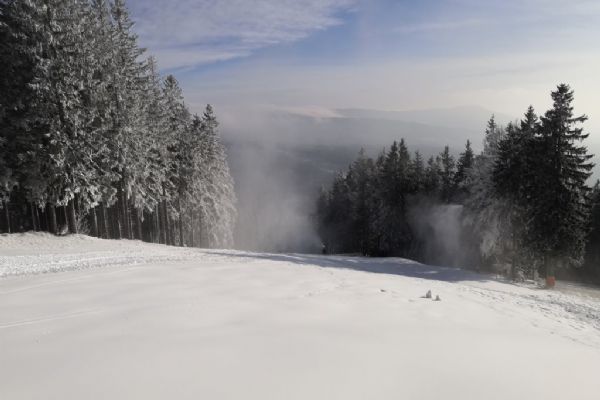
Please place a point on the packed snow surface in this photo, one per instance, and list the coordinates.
(128, 320)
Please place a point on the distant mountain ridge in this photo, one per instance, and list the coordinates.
(424, 130)
(471, 118)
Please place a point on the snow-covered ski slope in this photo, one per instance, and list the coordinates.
(127, 320)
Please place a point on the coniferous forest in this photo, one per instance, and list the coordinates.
(522, 206)
(92, 138)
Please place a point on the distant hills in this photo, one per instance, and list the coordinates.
(371, 128)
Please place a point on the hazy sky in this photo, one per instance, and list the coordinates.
(317, 55)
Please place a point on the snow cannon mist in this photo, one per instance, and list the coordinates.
(439, 229)
(274, 205)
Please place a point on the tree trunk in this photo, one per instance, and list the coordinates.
(165, 224)
(513, 264)
(162, 228)
(116, 220)
(192, 243)
(52, 219)
(47, 219)
(138, 223)
(100, 221)
(7, 217)
(122, 202)
(105, 222)
(157, 224)
(71, 217)
(94, 217)
(181, 244)
(166, 227)
(34, 224)
(110, 217)
(119, 222)
(65, 219)
(36, 213)
(42, 219)
(170, 237)
(121, 211)
(129, 207)
(200, 231)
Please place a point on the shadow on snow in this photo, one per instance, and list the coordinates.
(390, 266)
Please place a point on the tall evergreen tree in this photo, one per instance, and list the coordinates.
(493, 136)
(217, 186)
(447, 175)
(360, 181)
(463, 166)
(433, 173)
(129, 71)
(509, 175)
(561, 205)
(484, 213)
(177, 119)
(418, 173)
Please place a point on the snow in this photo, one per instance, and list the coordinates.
(27, 253)
(129, 320)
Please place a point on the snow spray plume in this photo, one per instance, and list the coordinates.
(274, 200)
(438, 227)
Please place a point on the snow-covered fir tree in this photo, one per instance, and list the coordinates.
(214, 189)
(93, 139)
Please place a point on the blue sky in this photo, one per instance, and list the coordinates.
(319, 55)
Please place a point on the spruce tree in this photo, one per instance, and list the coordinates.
(216, 186)
(560, 201)
(447, 175)
(463, 166)
(360, 181)
(126, 85)
(509, 173)
(484, 214)
(177, 119)
(156, 142)
(493, 136)
(418, 173)
(433, 173)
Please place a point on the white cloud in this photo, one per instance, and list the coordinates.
(184, 33)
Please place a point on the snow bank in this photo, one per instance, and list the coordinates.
(190, 324)
(34, 253)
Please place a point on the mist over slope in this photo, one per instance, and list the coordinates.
(281, 158)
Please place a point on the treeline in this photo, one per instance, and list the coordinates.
(93, 139)
(523, 205)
